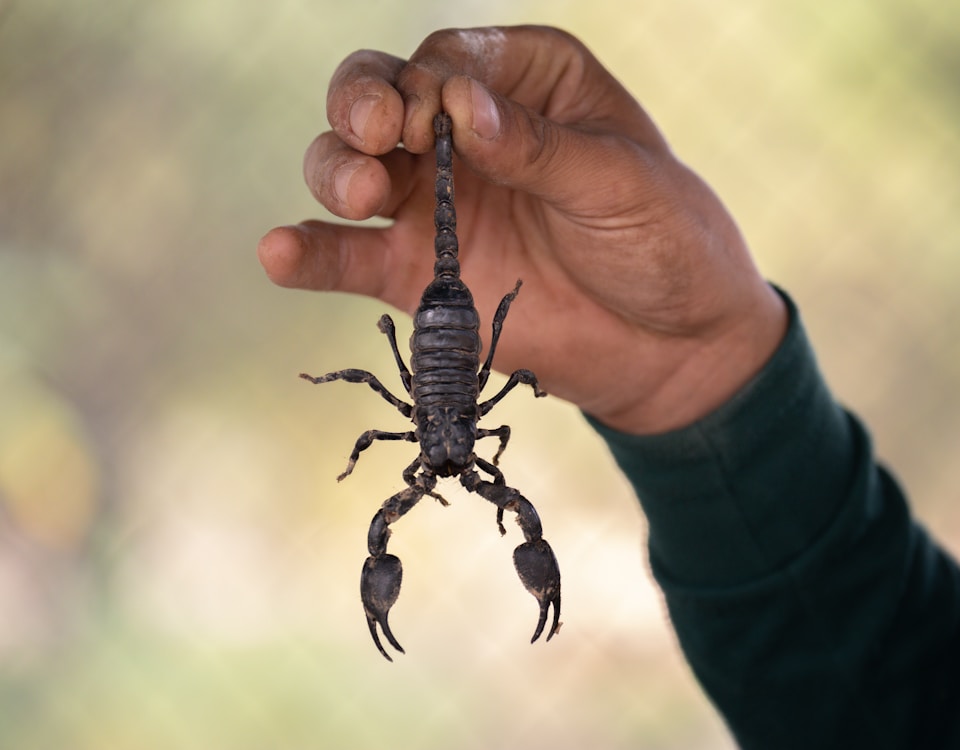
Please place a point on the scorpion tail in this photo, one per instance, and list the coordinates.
(445, 244)
(538, 570)
(379, 589)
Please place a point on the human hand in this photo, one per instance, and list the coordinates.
(640, 302)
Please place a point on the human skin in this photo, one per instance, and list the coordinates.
(640, 303)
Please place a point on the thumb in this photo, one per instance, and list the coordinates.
(512, 145)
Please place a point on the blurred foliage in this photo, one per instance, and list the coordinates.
(178, 567)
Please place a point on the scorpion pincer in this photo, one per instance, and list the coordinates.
(444, 382)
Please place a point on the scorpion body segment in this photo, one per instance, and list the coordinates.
(444, 383)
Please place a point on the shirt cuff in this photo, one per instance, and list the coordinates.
(740, 493)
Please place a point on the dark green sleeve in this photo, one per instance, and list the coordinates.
(813, 610)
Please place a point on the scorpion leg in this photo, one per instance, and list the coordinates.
(497, 475)
(382, 572)
(409, 476)
(385, 324)
(498, 319)
(366, 440)
(534, 559)
(516, 378)
(362, 376)
(501, 432)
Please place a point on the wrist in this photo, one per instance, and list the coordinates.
(706, 489)
(702, 373)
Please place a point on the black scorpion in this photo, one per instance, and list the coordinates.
(444, 381)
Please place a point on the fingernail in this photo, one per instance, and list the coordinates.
(486, 114)
(360, 112)
(341, 180)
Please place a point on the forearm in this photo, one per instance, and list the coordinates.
(794, 576)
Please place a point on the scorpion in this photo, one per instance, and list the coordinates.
(444, 382)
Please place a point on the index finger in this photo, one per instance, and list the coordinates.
(364, 107)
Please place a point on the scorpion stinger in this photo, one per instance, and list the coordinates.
(444, 382)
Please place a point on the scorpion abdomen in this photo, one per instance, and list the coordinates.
(446, 316)
(445, 348)
(447, 377)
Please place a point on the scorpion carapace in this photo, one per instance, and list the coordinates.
(444, 382)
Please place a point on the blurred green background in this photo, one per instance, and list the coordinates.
(178, 566)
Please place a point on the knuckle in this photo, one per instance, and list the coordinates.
(542, 144)
(440, 41)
